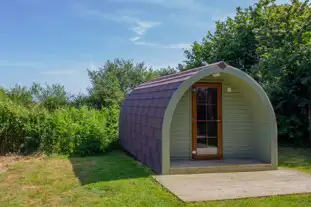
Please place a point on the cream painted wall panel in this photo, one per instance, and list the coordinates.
(180, 134)
(261, 137)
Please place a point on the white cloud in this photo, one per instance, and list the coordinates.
(137, 25)
(57, 72)
(133, 39)
(141, 27)
(193, 13)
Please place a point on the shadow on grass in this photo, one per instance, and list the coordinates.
(114, 165)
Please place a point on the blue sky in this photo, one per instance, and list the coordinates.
(55, 41)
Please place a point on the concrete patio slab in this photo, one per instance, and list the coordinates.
(223, 186)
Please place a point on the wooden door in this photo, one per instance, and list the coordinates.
(207, 121)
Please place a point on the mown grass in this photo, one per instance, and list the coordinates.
(115, 179)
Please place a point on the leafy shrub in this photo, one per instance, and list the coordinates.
(12, 126)
(34, 124)
(76, 131)
(66, 131)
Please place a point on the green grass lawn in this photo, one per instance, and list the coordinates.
(115, 179)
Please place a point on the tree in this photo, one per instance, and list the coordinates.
(106, 90)
(80, 100)
(284, 40)
(20, 95)
(112, 82)
(50, 96)
(233, 41)
(165, 71)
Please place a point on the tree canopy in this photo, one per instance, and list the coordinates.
(112, 82)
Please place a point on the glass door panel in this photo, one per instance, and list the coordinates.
(206, 120)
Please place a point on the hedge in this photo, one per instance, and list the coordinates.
(68, 131)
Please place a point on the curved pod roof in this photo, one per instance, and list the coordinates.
(147, 112)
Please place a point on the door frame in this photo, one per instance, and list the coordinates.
(219, 155)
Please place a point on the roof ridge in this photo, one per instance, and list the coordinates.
(220, 64)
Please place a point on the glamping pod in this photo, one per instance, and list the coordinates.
(213, 118)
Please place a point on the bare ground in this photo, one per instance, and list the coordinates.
(10, 159)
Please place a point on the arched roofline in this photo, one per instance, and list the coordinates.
(208, 70)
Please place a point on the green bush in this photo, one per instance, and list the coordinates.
(12, 127)
(68, 131)
(77, 131)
